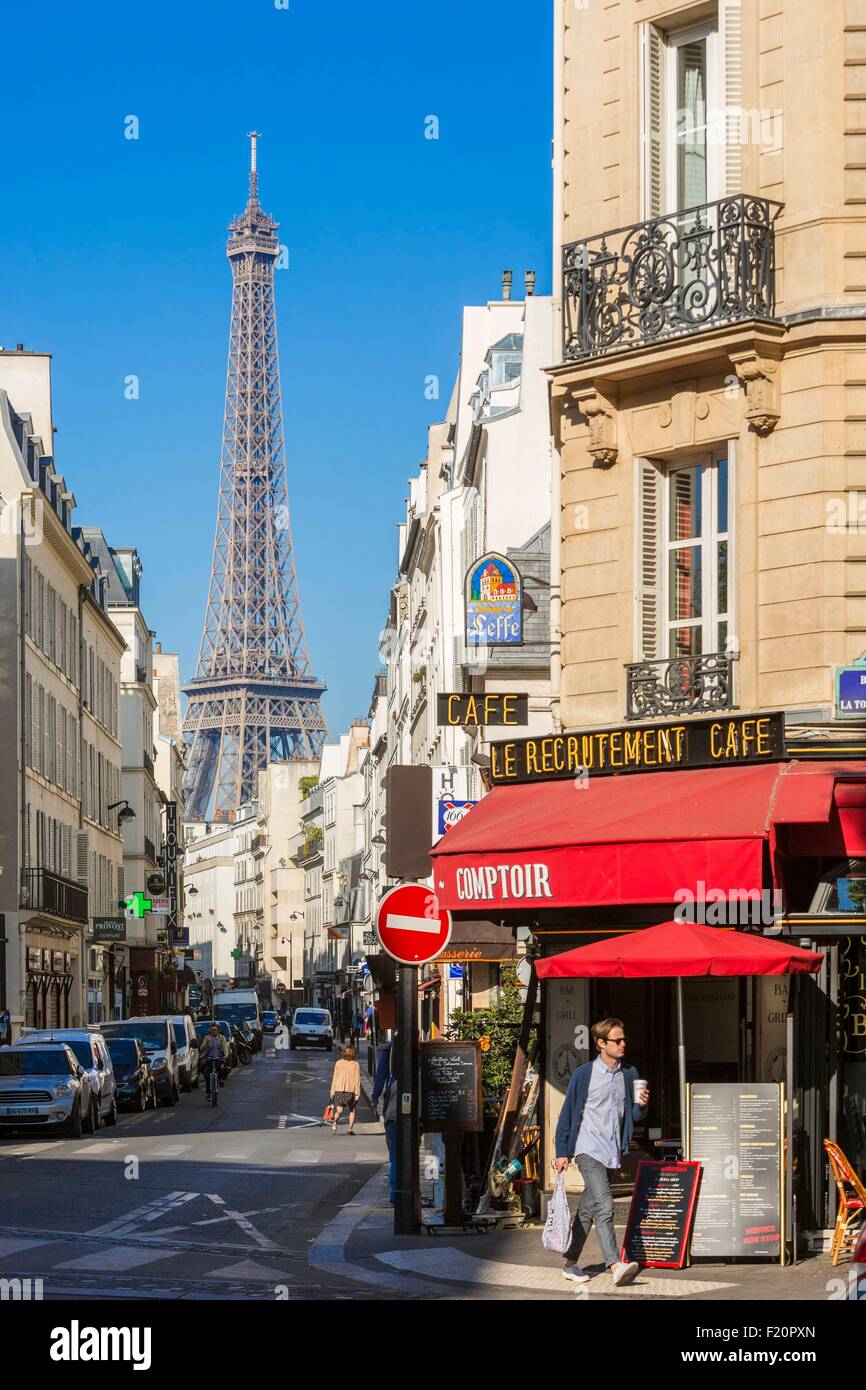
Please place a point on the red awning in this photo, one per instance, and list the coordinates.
(632, 839)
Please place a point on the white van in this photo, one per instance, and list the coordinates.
(240, 1006)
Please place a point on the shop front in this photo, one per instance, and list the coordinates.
(48, 981)
(723, 828)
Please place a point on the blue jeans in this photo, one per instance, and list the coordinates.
(391, 1141)
(596, 1204)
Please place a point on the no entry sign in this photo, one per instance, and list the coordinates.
(411, 925)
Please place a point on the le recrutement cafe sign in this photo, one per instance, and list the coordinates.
(727, 741)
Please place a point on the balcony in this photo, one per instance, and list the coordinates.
(669, 277)
(148, 763)
(45, 892)
(150, 849)
(141, 674)
(679, 685)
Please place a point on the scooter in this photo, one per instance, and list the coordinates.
(242, 1046)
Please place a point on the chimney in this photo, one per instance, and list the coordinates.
(529, 282)
(506, 284)
(19, 347)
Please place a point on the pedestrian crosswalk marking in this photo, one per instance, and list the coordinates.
(171, 1152)
(248, 1269)
(115, 1259)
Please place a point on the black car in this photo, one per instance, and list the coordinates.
(203, 1027)
(269, 1020)
(136, 1089)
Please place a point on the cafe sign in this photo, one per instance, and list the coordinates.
(462, 711)
(728, 741)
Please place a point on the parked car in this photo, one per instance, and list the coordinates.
(156, 1036)
(44, 1087)
(312, 1028)
(136, 1088)
(187, 1050)
(91, 1052)
(204, 1026)
(269, 1021)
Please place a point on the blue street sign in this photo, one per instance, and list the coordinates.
(850, 701)
(455, 972)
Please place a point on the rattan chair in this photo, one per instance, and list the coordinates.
(851, 1212)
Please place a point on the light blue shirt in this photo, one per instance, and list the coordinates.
(601, 1125)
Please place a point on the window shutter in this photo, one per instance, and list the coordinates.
(82, 847)
(60, 778)
(77, 761)
(652, 119)
(28, 721)
(649, 561)
(37, 728)
(731, 44)
(121, 886)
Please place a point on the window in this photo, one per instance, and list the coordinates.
(691, 81)
(684, 541)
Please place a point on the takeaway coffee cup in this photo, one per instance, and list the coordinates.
(639, 1088)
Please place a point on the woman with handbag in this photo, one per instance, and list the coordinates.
(346, 1087)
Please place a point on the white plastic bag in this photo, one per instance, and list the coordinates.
(557, 1228)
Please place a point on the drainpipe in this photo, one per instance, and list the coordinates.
(556, 281)
(82, 981)
(22, 759)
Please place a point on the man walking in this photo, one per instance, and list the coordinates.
(385, 1085)
(595, 1128)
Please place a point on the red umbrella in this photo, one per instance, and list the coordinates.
(675, 950)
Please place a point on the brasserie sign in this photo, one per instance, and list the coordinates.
(727, 741)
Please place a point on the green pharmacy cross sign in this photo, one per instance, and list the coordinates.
(137, 904)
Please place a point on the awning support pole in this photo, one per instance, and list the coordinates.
(681, 1058)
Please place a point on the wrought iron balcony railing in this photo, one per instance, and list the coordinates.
(150, 849)
(669, 277)
(679, 685)
(45, 892)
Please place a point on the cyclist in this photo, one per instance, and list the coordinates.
(212, 1053)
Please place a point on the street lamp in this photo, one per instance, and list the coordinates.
(125, 813)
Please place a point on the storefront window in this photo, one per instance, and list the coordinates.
(852, 1030)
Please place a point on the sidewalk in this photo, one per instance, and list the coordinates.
(512, 1264)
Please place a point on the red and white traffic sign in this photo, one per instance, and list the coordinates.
(411, 925)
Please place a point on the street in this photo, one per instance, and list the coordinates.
(190, 1202)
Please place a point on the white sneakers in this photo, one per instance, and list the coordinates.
(624, 1273)
(575, 1274)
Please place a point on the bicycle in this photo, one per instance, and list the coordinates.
(212, 1082)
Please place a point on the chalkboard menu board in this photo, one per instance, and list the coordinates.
(735, 1132)
(661, 1213)
(450, 1087)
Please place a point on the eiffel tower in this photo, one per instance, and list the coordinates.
(253, 699)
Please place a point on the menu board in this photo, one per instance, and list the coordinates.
(450, 1087)
(661, 1213)
(735, 1132)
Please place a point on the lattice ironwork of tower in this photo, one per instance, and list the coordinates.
(253, 699)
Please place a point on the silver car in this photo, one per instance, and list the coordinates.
(44, 1087)
(88, 1046)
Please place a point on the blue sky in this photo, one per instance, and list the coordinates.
(113, 259)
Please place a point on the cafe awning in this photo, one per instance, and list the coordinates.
(642, 838)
